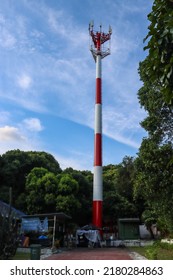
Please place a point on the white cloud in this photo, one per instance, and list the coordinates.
(10, 133)
(65, 77)
(33, 124)
(12, 138)
(24, 81)
(55, 21)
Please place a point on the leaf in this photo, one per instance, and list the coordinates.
(169, 73)
(160, 41)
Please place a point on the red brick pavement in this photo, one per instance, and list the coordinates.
(92, 254)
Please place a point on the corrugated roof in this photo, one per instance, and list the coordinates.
(5, 211)
(59, 215)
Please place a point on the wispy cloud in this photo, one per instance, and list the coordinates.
(122, 128)
(7, 40)
(33, 124)
(24, 81)
(50, 69)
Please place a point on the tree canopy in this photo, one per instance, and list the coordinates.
(159, 63)
(16, 165)
(153, 179)
(42, 187)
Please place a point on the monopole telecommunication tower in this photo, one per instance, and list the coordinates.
(99, 51)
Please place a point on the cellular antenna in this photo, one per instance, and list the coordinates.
(99, 51)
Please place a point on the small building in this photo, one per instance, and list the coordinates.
(52, 225)
(6, 211)
(128, 228)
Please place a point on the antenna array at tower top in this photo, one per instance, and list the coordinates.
(98, 40)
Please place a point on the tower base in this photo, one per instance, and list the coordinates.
(97, 213)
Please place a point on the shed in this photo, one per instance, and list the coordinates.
(7, 210)
(128, 228)
(42, 223)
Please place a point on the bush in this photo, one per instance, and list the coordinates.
(166, 245)
(158, 250)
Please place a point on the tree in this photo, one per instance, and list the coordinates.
(84, 195)
(154, 178)
(125, 178)
(68, 204)
(118, 191)
(154, 181)
(159, 122)
(42, 189)
(39, 186)
(67, 184)
(159, 64)
(15, 166)
(117, 206)
(66, 200)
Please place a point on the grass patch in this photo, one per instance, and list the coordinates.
(140, 250)
(157, 251)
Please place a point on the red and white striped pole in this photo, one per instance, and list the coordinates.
(98, 38)
(98, 184)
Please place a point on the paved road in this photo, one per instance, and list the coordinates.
(93, 254)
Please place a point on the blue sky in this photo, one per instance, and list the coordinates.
(47, 78)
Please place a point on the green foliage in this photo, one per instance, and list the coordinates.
(151, 253)
(68, 204)
(67, 200)
(39, 186)
(159, 122)
(85, 182)
(67, 184)
(117, 206)
(149, 217)
(159, 66)
(125, 177)
(166, 245)
(153, 179)
(15, 166)
(159, 251)
(118, 181)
